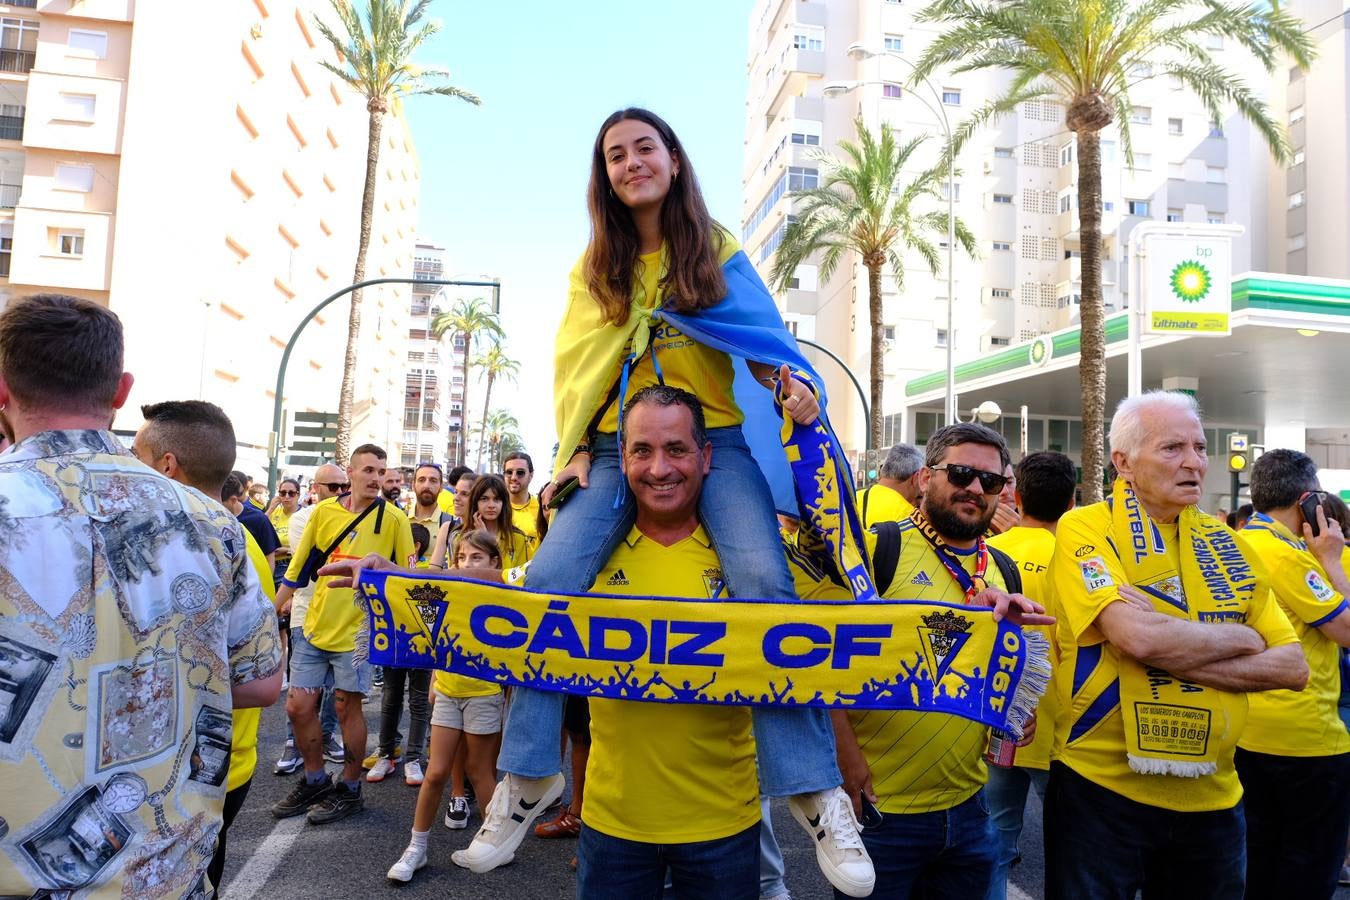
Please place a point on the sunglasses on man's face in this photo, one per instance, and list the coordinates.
(961, 476)
(288, 493)
(519, 473)
(335, 485)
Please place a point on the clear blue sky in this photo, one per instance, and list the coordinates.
(503, 184)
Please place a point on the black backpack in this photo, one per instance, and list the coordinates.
(886, 557)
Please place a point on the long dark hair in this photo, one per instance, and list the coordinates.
(693, 279)
(497, 485)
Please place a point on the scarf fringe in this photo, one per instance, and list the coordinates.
(1149, 765)
(1035, 682)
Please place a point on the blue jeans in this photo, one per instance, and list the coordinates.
(934, 855)
(328, 720)
(795, 746)
(771, 868)
(1006, 794)
(1100, 845)
(610, 868)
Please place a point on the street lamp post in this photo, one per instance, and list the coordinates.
(859, 51)
(274, 439)
(862, 395)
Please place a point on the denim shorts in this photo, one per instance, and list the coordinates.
(310, 668)
(471, 715)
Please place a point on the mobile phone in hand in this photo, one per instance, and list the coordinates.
(871, 816)
(562, 492)
(1308, 504)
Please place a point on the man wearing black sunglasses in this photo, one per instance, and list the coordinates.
(924, 771)
(519, 469)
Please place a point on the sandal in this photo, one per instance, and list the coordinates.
(566, 825)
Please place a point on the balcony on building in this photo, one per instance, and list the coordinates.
(15, 61)
(11, 122)
(795, 68)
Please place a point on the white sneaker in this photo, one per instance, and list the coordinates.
(827, 816)
(412, 773)
(457, 814)
(383, 766)
(516, 803)
(412, 859)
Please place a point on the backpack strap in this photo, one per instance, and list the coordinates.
(887, 554)
(1012, 576)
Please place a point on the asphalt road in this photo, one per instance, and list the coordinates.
(291, 859)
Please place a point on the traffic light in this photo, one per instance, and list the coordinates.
(871, 466)
(1239, 461)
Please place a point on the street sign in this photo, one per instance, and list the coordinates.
(314, 439)
(1188, 284)
(1238, 443)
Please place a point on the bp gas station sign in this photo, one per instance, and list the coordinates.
(1187, 284)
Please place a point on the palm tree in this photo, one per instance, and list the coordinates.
(864, 206)
(494, 364)
(501, 427)
(469, 318)
(1087, 54)
(376, 61)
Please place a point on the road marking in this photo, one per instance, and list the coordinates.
(264, 861)
(1016, 893)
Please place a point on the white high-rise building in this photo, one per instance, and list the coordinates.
(1016, 189)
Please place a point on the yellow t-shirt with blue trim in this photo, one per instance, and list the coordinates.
(1031, 549)
(244, 722)
(526, 518)
(665, 773)
(1306, 722)
(879, 503)
(923, 761)
(1090, 733)
(334, 616)
(685, 363)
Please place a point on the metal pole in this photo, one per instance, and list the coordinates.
(862, 395)
(274, 443)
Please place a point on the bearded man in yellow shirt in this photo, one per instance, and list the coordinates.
(1165, 625)
(1294, 756)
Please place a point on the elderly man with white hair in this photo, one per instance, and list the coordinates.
(1166, 624)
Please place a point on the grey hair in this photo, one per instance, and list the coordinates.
(950, 436)
(902, 461)
(1127, 425)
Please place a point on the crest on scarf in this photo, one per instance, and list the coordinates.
(1169, 590)
(942, 636)
(429, 601)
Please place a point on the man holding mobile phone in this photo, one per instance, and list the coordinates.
(1294, 755)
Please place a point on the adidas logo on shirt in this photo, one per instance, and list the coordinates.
(618, 578)
(922, 580)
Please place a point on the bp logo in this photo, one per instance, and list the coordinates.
(1040, 351)
(1190, 281)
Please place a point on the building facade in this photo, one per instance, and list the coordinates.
(434, 383)
(1015, 188)
(211, 214)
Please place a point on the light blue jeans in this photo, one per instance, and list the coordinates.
(771, 867)
(795, 746)
(1006, 795)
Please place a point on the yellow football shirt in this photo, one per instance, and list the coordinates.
(446, 501)
(244, 722)
(1307, 722)
(526, 517)
(1090, 734)
(668, 773)
(879, 503)
(517, 549)
(1031, 549)
(685, 363)
(333, 616)
(923, 761)
(281, 521)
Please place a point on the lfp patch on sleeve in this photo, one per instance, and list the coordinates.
(1318, 585)
(1095, 574)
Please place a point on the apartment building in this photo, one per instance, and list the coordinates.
(435, 375)
(1015, 188)
(208, 191)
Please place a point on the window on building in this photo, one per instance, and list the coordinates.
(1141, 115)
(1001, 293)
(803, 178)
(1108, 206)
(1066, 154)
(806, 140)
(888, 332)
(951, 96)
(1003, 198)
(1143, 162)
(891, 90)
(808, 40)
(1296, 114)
(999, 341)
(1003, 152)
(1298, 158)
(1297, 199)
(1174, 126)
(1296, 242)
(1214, 219)
(1137, 207)
(18, 43)
(1002, 245)
(74, 178)
(1108, 150)
(1174, 215)
(1215, 174)
(75, 107)
(1065, 202)
(70, 243)
(946, 189)
(87, 43)
(942, 337)
(893, 42)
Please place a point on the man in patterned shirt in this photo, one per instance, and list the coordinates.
(131, 626)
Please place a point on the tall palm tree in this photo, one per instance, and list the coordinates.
(469, 318)
(1087, 54)
(501, 426)
(376, 60)
(864, 205)
(493, 364)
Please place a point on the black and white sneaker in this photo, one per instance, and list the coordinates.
(516, 803)
(340, 803)
(302, 797)
(457, 813)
